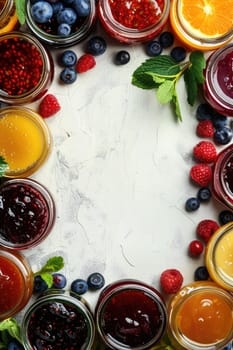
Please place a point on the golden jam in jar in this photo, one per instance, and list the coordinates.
(8, 17)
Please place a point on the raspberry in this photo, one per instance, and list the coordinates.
(205, 152)
(49, 106)
(195, 248)
(201, 174)
(205, 128)
(206, 228)
(171, 281)
(85, 63)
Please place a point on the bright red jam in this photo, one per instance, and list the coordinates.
(225, 74)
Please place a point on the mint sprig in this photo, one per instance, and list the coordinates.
(163, 72)
(52, 265)
(3, 166)
(9, 328)
(20, 6)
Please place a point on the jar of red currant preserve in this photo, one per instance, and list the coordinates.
(134, 22)
(130, 315)
(8, 17)
(26, 68)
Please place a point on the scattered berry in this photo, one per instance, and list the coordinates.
(205, 152)
(178, 53)
(122, 57)
(204, 194)
(195, 248)
(205, 129)
(201, 174)
(14, 345)
(68, 75)
(201, 274)
(228, 347)
(153, 48)
(204, 112)
(42, 11)
(79, 286)
(225, 217)
(40, 285)
(68, 58)
(192, 204)
(223, 136)
(206, 228)
(85, 63)
(59, 280)
(82, 7)
(219, 121)
(166, 39)
(171, 281)
(95, 281)
(49, 106)
(96, 46)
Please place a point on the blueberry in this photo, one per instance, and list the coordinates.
(223, 136)
(166, 39)
(42, 11)
(225, 216)
(201, 274)
(82, 7)
(68, 75)
(59, 280)
(64, 29)
(122, 57)
(192, 204)
(96, 46)
(40, 285)
(68, 58)
(178, 53)
(219, 120)
(153, 48)
(14, 345)
(57, 7)
(67, 15)
(228, 347)
(204, 112)
(95, 281)
(79, 286)
(204, 194)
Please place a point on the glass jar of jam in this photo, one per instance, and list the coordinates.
(25, 140)
(218, 86)
(48, 32)
(8, 17)
(26, 68)
(200, 317)
(222, 181)
(134, 22)
(130, 315)
(16, 283)
(187, 18)
(27, 213)
(58, 320)
(219, 256)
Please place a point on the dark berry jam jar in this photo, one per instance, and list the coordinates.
(223, 177)
(218, 86)
(135, 21)
(130, 315)
(27, 213)
(48, 32)
(26, 68)
(58, 320)
(16, 283)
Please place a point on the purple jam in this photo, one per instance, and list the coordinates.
(225, 74)
(57, 325)
(228, 176)
(24, 213)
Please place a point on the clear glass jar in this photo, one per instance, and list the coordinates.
(26, 68)
(27, 213)
(222, 181)
(16, 283)
(218, 256)
(130, 315)
(48, 36)
(140, 22)
(218, 86)
(8, 17)
(200, 317)
(61, 319)
(25, 140)
(191, 39)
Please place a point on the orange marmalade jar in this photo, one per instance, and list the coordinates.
(201, 317)
(8, 17)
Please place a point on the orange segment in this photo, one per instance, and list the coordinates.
(207, 18)
(10, 23)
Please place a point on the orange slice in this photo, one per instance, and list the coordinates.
(9, 24)
(207, 18)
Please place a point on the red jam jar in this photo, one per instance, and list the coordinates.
(218, 86)
(26, 68)
(223, 177)
(27, 213)
(58, 320)
(16, 283)
(135, 21)
(130, 315)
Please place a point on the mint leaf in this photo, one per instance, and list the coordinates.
(176, 104)
(198, 64)
(48, 278)
(143, 81)
(20, 6)
(54, 264)
(3, 166)
(166, 91)
(158, 79)
(12, 326)
(191, 86)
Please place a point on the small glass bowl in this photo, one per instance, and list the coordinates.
(16, 280)
(83, 28)
(116, 27)
(130, 315)
(25, 140)
(61, 319)
(27, 213)
(27, 68)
